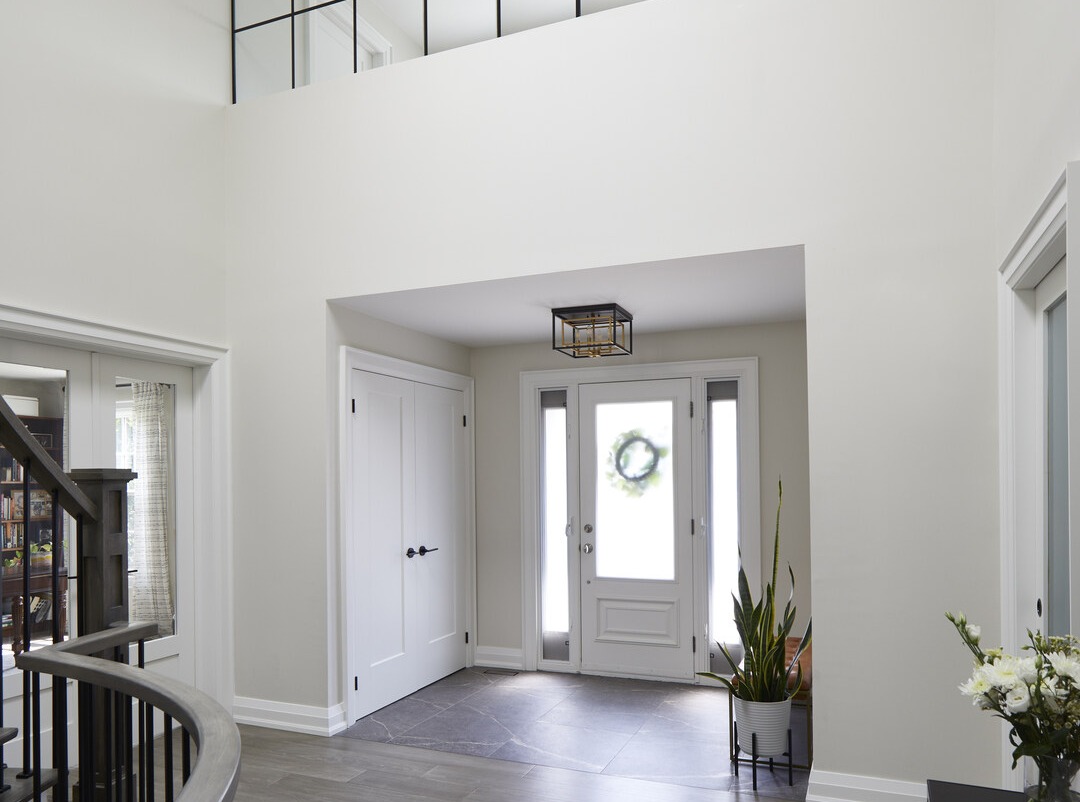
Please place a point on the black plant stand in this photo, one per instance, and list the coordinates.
(754, 757)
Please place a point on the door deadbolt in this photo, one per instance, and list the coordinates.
(587, 548)
(588, 529)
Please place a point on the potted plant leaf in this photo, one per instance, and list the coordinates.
(760, 686)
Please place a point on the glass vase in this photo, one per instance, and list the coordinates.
(1056, 776)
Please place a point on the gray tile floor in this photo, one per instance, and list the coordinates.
(663, 732)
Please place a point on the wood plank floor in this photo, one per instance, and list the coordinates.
(278, 766)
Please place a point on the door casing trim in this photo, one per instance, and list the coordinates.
(355, 358)
(745, 371)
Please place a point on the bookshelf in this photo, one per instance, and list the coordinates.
(21, 539)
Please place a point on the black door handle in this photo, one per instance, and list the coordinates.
(412, 552)
(425, 550)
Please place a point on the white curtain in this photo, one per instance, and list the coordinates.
(150, 587)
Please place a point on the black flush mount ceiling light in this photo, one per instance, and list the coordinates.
(588, 331)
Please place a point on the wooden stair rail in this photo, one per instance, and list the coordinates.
(216, 772)
(16, 438)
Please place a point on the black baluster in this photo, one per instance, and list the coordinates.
(37, 734)
(185, 745)
(142, 730)
(168, 759)
(27, 771)
(107, 711)
(149, 753)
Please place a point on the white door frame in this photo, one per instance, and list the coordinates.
(354, 358)
(1041, 246)
(531, 383)
(213, 624)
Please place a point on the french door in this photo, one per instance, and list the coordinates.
(92, 392)
(637, 582)
(407, 576)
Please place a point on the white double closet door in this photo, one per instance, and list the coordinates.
(408, 525)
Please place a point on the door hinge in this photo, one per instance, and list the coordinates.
(356, 683)
(354, 406)
(693, 644)
(691, 526)
(466, 637)
(464, 420)
(691, 409)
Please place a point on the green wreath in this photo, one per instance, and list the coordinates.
(634, 463)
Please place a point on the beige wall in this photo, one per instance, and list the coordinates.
(1036, 118)
(781, 350)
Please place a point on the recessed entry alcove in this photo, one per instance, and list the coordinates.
(737, 317)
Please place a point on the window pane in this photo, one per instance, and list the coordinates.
(38, 397)
(723, 519)
(635, 491)
(1057, 473)
(555, 593)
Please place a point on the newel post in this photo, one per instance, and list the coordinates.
(101, 564)
(102, 558)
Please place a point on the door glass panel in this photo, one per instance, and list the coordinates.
(1057, 472)
(555, 584)
(723, 512)
(144, 444)
(635, 491)
(32, 536)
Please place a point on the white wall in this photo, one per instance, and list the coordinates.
(1036, 117)
(112, 207)
(862, 131)
(781, 349)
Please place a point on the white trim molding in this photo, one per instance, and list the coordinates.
(213, 626)
(829, 786)
(345, 602)
(1040, 247)
(307, 719)
(531, 383)
(498, 657)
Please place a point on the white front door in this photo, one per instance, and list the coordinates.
(637, 601)
(408, 527)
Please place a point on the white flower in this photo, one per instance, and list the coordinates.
(1065, 665)
(1027, 670)
(1018, 699)
(974, 632)
(977, 687)
(1006, 673)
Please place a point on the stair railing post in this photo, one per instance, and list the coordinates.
(102, 595)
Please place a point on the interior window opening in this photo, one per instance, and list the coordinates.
(555, 571)
(723, 457)
(30, 535)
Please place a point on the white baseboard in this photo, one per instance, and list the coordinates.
(497, 657)
(829, 786)
(306, 719)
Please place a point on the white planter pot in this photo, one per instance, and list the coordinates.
(768, 720)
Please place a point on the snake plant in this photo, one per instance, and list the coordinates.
(763, 675)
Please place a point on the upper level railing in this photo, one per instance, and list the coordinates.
(282, 44)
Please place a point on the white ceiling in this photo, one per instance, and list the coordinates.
(735, 289)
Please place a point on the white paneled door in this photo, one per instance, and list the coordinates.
(636, 546)
(409, 470)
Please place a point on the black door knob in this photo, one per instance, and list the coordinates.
(412, 552)
(425, 550)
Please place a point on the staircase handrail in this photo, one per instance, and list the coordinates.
(17, 439)
(215, 774)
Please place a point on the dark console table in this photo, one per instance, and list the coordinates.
(939, 791)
